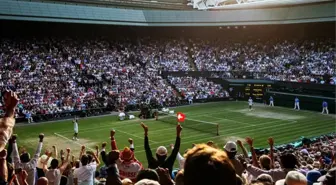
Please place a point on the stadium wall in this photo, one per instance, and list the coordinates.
(58, 12)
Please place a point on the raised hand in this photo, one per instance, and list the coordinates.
(112, 133)
(249, 141)
(41, 136)
(171, 146)
(164, 176)
(97, 147)
(103, 145)
(178, 129)
(130, 140)
(83, 148)
(13, 138)
(145, 127)
(11, 100)
(270, 141)
(68, 150)
(239, 142)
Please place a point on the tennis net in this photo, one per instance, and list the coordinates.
(199, 125)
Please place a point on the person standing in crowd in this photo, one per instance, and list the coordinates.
(271, 101)
(75, 123)
(162, 158)
(25, 162)
(325, 107)
(296, 103)
(250, 103)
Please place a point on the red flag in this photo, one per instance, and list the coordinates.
(180, 117)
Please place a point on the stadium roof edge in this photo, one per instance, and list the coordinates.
(46, 12)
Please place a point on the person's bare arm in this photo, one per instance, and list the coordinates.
(45, 162)
(271, 144)
(240, 144)
(66, 162)
(95, 157)
(3, 165)
(55, 153)
(82, 152)
(8, 121)
(249, 141)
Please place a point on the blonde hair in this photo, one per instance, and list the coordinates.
(207, 165)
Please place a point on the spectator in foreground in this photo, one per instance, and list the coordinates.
(7, 123)
(207, 165)
(127, 164)
(25, 162)
(54, 174)
(84, 174)
(293, 178)
(161, 153)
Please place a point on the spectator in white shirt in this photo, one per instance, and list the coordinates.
(24, 161)
(54, 174)
(84, 174)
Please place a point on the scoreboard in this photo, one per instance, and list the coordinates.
(256, 90)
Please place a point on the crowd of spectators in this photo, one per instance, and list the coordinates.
(297, 61)
(55, 75)
(59, 75)
(197, 88)
(311, 163)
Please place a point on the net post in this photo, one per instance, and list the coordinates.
(217, 129)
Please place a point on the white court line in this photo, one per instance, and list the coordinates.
(135, 136)
(77, 143)
(234, 121)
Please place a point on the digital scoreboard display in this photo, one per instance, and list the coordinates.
(256, 90)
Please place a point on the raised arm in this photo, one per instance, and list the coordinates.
(113, 141)
(55, 154)
(45, 162)
(66, 162)
(271, 144)
(249, 141)
(81, 153)
(7, 123)
(149, 154)
(16, 156)
(38, 150)
(176, 149)
(103, 154)
(240, 144)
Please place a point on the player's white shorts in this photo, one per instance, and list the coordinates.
(76, 131)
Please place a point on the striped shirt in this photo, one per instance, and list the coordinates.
(84, 174)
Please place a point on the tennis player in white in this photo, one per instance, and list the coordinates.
(75, 122)
(250, 102)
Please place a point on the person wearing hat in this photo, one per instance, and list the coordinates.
(162, 159)
(328, 179)
(230, 149)
(127, 164)
(293, 178)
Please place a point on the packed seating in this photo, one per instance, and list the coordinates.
(312, 162)
(59, 75)
(299, 61)
(197, 88)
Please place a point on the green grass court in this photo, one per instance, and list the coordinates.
(234, 119)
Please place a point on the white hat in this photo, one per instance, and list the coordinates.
(230, 146)
(147, 182)
(161, 150)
